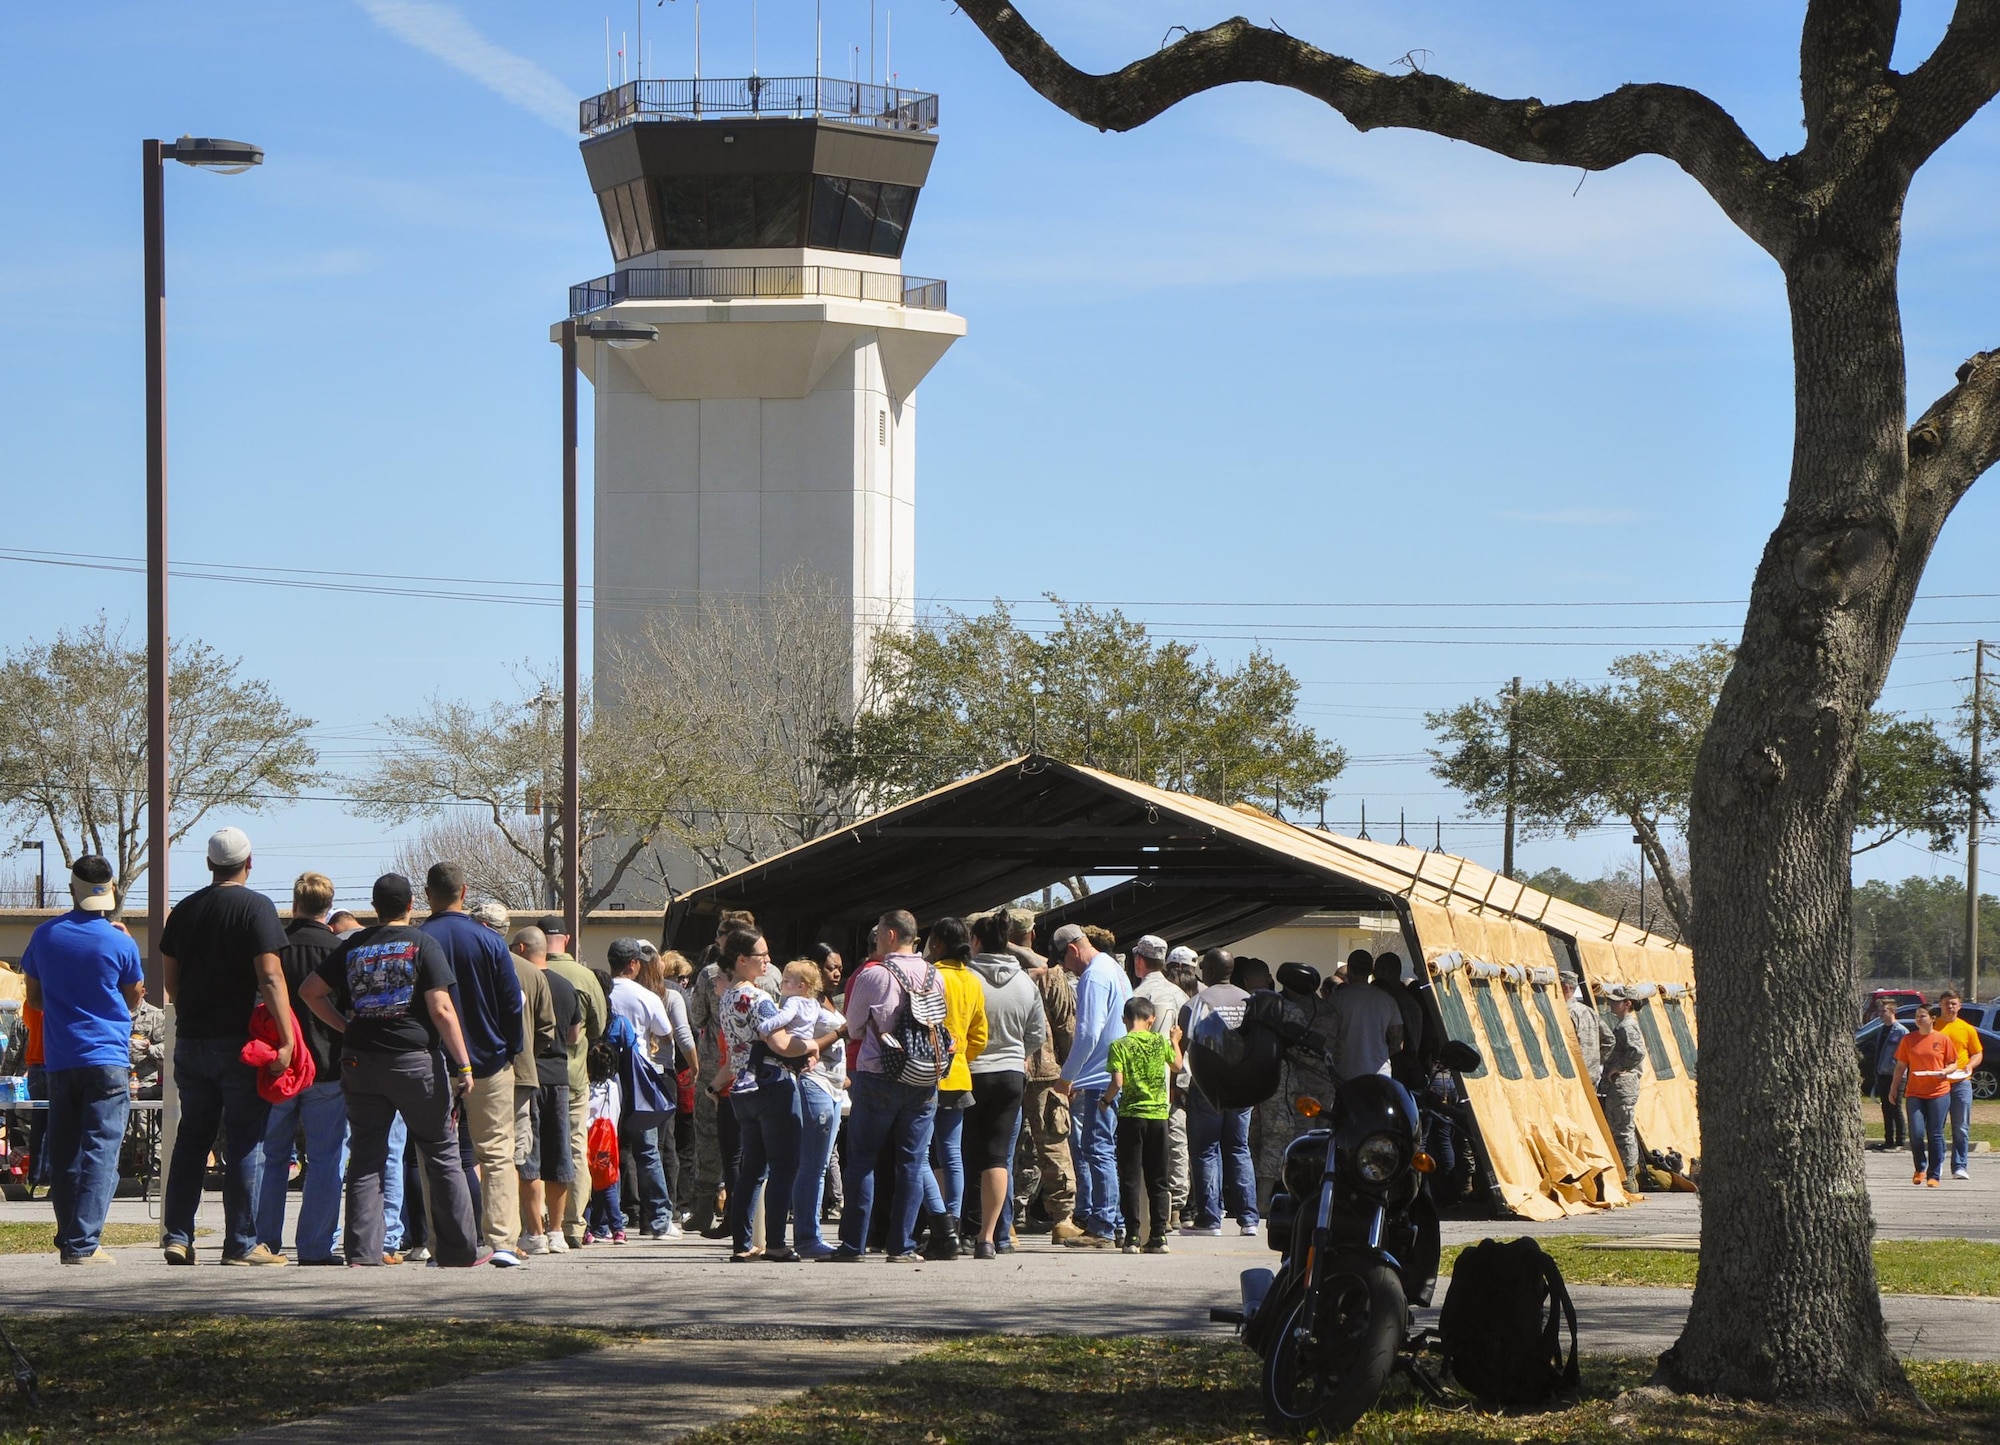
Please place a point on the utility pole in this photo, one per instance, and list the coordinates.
(1513, 769)
(1972, 827)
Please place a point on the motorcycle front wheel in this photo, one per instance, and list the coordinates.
(1329, 1381)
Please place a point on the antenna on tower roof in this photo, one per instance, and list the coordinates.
(607, 52)
(639, 33)
(753, 39)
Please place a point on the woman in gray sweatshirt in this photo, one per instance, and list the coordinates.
(1015, 1028)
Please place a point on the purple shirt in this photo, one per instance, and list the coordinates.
(873, 1000)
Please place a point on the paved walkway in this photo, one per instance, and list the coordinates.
(639, 1393)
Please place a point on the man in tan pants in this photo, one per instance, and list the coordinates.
(1047, 1112)
(489, 1014)
(589, 994)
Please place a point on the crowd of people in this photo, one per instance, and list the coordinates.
(465, 1092)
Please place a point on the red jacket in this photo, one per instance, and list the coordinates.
(263, 1047)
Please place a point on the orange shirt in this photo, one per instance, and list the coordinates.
(31, 1057)
(1927, 1057)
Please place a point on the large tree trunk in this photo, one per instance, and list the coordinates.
(1788, 1308)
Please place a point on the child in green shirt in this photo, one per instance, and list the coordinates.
(1141, 1063)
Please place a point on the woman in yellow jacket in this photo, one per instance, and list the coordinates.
(950, 948)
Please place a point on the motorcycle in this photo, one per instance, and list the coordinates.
(1358, 1230)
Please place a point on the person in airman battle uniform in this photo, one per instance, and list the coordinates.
(1624, 1070)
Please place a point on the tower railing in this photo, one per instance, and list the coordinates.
(782, 97)
(724, 283)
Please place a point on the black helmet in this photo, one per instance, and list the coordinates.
(1236, 1058)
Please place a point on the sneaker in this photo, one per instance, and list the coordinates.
(1156, 1246)
(1128, 1248)
(672, 1231)
(1918, 1177)
(1003, 1246)
(617, 1236)
(912, 1257)
(1064, 1230)
(1960, 1174)
(1213, 1231)
(1933, 1184)
(1248, 1231)
(534, 1244)
(179, 1253)
(503, 1259)
(262, 1254)
(1086, 1240)
(420, 1255)
(576, 1241)
(557, 1244)
(96, 1256)
(816, 1256)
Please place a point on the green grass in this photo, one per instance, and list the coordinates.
(1983, 1126)
(1902, 1266)
(38, 1236)
(179, 1379)
(1079, 1391)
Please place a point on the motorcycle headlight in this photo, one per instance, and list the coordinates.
(1378, 1158)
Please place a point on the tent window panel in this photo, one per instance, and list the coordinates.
(1683, 1035)
(1530, 1040)
(1458, 1023)
(1497, 1041)
(1552, 1026)
(1656, 1044)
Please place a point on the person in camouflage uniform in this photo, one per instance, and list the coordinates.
(1589, 1032)
(1624, 1071)
(1042, 1161)
(1278, 1119)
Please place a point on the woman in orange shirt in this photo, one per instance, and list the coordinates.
(1925, 1060)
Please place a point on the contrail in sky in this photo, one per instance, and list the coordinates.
(440, 30)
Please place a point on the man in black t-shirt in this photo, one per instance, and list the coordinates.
(219, 955)
(388, 990)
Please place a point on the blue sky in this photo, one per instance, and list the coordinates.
(1272, 379)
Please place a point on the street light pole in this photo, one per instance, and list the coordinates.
(572, 801)
(624, 336)
(158, 827)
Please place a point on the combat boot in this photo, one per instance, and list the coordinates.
(943, 1242)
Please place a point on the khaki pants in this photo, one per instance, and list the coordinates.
(489, 1118)
(579, 1189)
(1048, 1126)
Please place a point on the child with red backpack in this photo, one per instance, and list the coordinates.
(604, 1222)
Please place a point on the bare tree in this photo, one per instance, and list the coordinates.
(73, 744)
(494, 868)
(750, 702)
(507, 759)
(1786, 1306)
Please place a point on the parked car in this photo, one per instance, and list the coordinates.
(1898, 996)
(1985, 1017)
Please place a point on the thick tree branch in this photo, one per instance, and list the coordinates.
(1951, 87)
(1958, 439)
(1683, 125)
(1844, 49)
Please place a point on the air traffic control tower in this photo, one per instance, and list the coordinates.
(760, 225)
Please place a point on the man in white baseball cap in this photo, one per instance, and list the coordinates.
(219, 954)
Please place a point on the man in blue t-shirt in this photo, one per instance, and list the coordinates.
(488, 998)
(83, 974)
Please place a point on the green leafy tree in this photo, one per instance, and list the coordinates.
(73, 751)
(1915, 929)
(1626, 749)
(973, 691)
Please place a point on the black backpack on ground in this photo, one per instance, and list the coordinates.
(1501, 1324)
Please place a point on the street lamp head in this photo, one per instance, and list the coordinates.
(622, 335)
(208, 153)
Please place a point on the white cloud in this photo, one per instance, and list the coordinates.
(441, 31)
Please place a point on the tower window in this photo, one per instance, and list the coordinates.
(881, 428)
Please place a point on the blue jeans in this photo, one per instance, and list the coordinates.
(946, 1177)
(642, 1175)
(1961, 1119)
(1093, 1144)
(819, 1121)
(767, 1123)
(1927, 1133)
(38, 1127)
(603, 1217)
(218, 1093)
(395, 1207)
(322, 1109)
(1219, 1144)
(87, 1111)
(886, 1112)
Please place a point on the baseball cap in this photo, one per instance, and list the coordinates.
(90, 884)
(1183, 954)
(1151, 946)
(624, 951)
(228, 848)
(1066, 935)
(553, 923)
